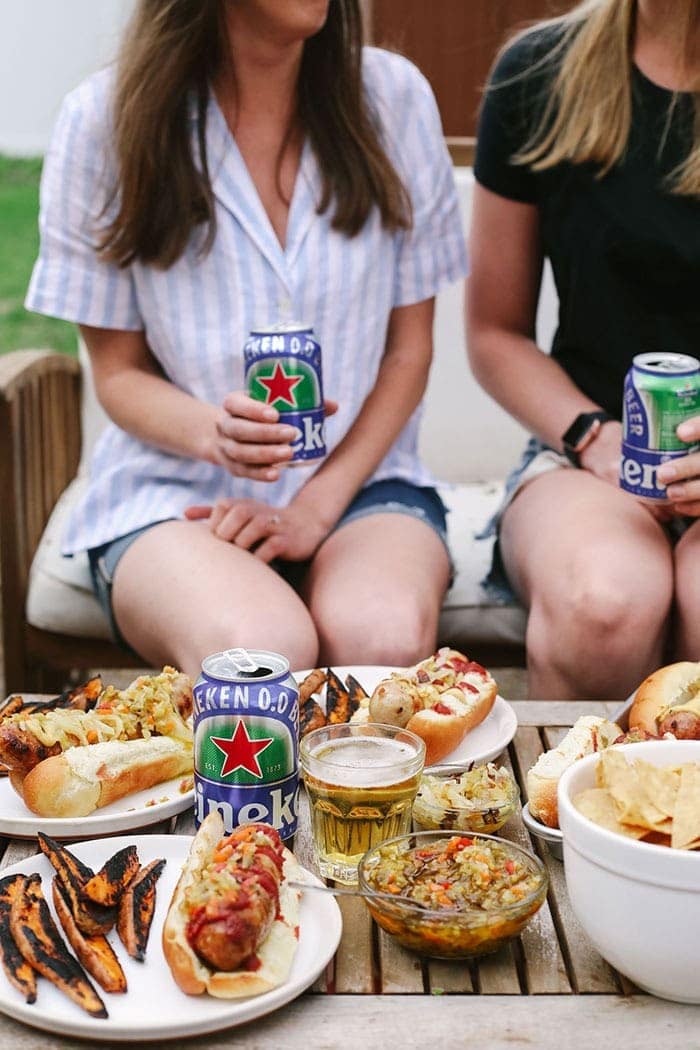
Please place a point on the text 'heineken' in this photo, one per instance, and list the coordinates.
(246, 755)
(661, 391)
(283, 369)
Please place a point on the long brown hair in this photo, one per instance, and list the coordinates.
(170, 54)
(589, 110)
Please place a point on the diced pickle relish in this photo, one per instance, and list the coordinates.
(459, 873)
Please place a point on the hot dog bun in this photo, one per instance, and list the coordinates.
(589, 734)
(86, 778)
(668, 701)
(440, 699)
(275, 953)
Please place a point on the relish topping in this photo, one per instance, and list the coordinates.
(455, 874)
(244, 871)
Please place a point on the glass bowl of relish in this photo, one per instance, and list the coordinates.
(454, 895)
(473, 800)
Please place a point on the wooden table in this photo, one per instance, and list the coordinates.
(548, 989)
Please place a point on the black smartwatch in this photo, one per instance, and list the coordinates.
(582, 431)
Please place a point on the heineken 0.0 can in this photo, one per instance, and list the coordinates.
(283, 369)
(661, 391)
(246, 752)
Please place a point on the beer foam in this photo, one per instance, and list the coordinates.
(363, 761)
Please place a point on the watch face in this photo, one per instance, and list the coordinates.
(582, 430)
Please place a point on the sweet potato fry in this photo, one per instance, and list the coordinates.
(311, 716)
(136, 909)
(113, 877)
(39, 941)
(18, 970)
(337, 700)
(95, 953)
(91, 918)
(311, 684)
(356, 691)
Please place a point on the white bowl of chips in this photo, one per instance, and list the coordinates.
(630, 817)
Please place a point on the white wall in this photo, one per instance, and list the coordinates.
(46, 48)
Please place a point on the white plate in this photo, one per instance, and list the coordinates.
(154, 1007)
(484, 742)
(552, 836)
(134, 811)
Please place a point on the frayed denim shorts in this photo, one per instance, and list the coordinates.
(392, 496)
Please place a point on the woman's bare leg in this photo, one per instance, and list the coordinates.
(595, 570)
(180, 594)
(687, 563)
(375, 589)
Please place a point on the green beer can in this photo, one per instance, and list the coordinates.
(661, 391)
(246, 751)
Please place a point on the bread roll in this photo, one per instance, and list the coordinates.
(669, 701)
(589, 734)
(86, 778)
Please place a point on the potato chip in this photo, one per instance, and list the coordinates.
(644, 795)
(597, 804)
(686, 817)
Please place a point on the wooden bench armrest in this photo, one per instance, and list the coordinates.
(40, 435)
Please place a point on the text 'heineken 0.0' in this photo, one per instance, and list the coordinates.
(246, 753)
(283, 369)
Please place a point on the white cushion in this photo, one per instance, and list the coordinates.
(60, 596)
(61, 599)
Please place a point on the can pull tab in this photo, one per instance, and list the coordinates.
(243, 665)
(240, 659)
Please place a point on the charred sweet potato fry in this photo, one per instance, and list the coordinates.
(338, 704)
(311, 716)
(356, 691)
(95, 953)
(311, 684)
(91, 918)
(18, 970)
(113, 877)
(39, 941)
(136, 909)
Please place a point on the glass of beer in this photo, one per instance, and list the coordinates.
(361, 781)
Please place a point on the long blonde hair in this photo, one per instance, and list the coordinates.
(588, 113)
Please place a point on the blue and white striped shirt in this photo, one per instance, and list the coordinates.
(197, 314)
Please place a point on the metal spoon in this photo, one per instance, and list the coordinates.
(344, 891)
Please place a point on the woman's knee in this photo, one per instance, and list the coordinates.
(398, 633)
(599, 617)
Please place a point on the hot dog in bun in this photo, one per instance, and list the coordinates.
(440, 699)
(232, 925)
(668, 701)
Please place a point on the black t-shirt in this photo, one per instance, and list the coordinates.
(624, 249)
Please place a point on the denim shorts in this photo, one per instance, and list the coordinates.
(393, 496)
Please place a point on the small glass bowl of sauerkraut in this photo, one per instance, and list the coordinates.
(454, 896)
(480, 799)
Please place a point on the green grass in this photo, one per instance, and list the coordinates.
(19, 244)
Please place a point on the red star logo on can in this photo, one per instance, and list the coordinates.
(280, 386)
(241, 751)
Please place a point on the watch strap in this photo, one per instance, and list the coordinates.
(579, 435)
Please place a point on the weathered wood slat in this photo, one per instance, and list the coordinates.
(400, 970)
(545, 969)
(449, 977)
(564, 1022)
(560, 712)
(589, 972)
(498, 973)
(353, 961)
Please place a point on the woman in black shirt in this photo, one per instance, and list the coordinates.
(589, 154)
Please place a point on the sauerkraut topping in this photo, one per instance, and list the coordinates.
(480, 799)
(147, 708)
(244, 864)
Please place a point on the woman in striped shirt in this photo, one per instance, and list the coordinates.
(247, 162)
